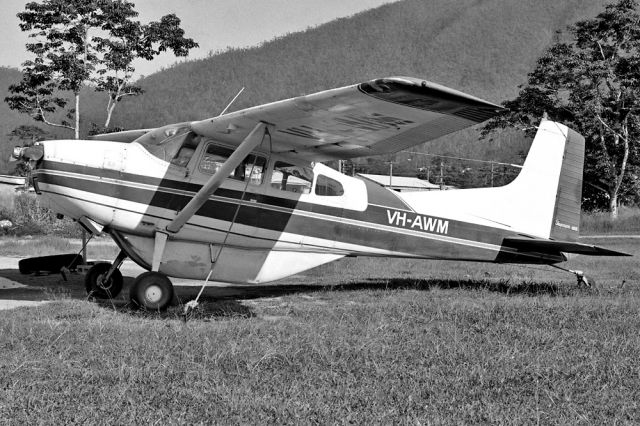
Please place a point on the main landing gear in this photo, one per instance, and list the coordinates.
(150, 290)
(104, 280)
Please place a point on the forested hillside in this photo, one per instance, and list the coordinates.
(483, 47)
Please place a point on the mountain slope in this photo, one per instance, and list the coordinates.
(484, 47)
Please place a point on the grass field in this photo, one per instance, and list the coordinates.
(356, 341)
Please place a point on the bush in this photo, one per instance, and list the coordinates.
(30, 217)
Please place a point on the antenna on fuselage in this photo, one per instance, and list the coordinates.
(230, 103)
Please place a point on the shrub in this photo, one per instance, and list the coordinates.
(30, 217)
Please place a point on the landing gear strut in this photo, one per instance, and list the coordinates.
(104, 280)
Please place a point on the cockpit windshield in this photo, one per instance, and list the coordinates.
(175, 143)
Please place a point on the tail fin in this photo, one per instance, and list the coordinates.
(551, 179)
(542, 202)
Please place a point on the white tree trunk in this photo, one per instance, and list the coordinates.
(77, 129)
(613, 206)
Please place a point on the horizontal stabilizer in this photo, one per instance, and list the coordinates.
(552, 246)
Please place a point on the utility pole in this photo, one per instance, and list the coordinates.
(492, 174)
(390, 163)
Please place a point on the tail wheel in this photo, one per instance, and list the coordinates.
(152, 290)
(98, 286)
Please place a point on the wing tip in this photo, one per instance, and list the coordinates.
(422, 94)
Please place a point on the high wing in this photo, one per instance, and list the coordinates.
(377, 117)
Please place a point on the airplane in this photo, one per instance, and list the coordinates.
(244, 198)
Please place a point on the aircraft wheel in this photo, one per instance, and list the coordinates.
(152, 290)
(96, 285)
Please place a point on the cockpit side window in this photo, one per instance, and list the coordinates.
(175, 144)
(328, 187)
(252, 167)
(292, 178)
(186, 149)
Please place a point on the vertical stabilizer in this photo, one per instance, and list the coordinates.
(552, 178)
(542, 202)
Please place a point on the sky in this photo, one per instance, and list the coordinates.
(214, 24)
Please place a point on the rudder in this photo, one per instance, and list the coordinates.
(566, 216)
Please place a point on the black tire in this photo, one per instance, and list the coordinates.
(93, 282)
(51, 264)
(152, 290)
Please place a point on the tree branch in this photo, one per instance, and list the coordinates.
(47, 122)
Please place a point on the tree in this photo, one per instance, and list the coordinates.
(591, 82)
(80, 43)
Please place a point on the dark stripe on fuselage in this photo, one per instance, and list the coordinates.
(275, 213)
(270, 241)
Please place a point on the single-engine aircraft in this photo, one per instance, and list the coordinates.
(243, 197)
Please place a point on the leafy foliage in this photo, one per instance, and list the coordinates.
(79, 43)
(591, 82)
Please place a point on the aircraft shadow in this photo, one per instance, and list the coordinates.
(276, 290)
(220, 302)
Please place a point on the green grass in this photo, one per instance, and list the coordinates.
(358, 341)
(381, 356)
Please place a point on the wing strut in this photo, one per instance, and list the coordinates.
(249, 143)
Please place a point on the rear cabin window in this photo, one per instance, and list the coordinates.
(328, 187)
(292, 178)
(252, 167)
